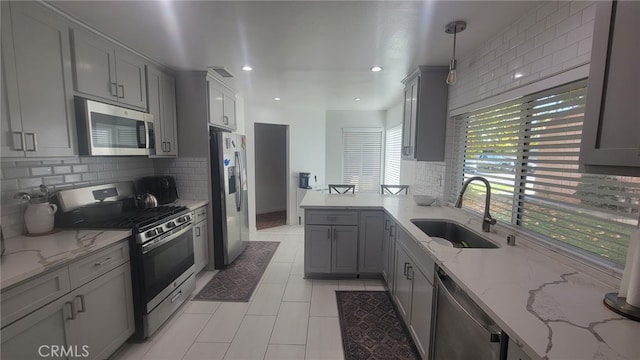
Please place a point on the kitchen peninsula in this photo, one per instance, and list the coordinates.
(549, 306)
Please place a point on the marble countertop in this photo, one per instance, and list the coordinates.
(191, 204)
(547, 303)
(28, 256)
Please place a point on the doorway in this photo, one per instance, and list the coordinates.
(271, 146)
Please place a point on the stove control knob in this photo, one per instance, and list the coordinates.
(159, 230)
(187, 218)
(181, 219)
(151, 232)
(171, 224)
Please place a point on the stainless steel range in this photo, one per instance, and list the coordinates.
(161, 247)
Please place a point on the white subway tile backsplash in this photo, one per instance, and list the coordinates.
(544, 37)
(584, 47)
(568, 24)
(72, 178)
(578, 6)
(546, 10)
(580, 33)
(41, 171)
(557, 16)
(62, 169)
(526, 22)
(589, 14)
(29, 183)
(89, 176)
(53, 180)
(565, 54)
(13, 173)
(80, 168)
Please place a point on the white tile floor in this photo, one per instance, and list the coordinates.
(288, 317)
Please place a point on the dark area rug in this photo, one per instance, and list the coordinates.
(237, 281)
(372, 328)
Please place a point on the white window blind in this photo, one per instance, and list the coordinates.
(392, 156)
(528, 150)
(362, 158)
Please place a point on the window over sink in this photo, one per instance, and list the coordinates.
(528, 149)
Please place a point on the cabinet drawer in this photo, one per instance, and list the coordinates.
(200, 214)
(89, 268)
(331, 217)
(26, 298)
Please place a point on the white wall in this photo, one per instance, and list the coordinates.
(271, 167)
(336, 120)
(306, 146)
(548, 41)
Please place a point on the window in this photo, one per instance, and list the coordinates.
(362, 158)
(528, 150)
(392, 148)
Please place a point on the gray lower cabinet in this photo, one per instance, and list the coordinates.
(200, 244)
(331, 249)
(610, 141)
(413, 293)
(388, 252)
(104, 313)
(37, 107)
(372, 235)
(89, 321)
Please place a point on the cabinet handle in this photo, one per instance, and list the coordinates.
(18, 136)
(113, 89)
(329, 233)
(405, 269)
(225, 120)
(386, 224)
(103, 262)
(169, 145)
(335, 234)
(198, 231)
(34, 142)
(409, 272)
(121, 87)
(84, 308)
(72, 310)
(392, 232)
(164, 146)
(173, 299)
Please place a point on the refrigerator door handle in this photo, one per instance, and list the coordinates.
(239, 180)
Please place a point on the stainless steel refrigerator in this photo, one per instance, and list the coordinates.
(229, 195)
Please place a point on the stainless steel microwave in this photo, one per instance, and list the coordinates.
(108, 130)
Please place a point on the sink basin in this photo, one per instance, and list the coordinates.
(458, 235)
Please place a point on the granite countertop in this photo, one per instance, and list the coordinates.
(547, 303)
(28, 256)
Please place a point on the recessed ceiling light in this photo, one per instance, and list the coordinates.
(247, 68)
(357, 99)
(376, 68)
(276, 99)
(518, 75)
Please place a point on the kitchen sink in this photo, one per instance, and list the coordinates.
(458, 235)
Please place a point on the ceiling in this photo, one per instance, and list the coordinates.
(309, 53)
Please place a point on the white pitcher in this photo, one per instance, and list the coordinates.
(39, 217)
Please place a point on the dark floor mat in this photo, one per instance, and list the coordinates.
(372, 328)
(237, 281)
(272, 219)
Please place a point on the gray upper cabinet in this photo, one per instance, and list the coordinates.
(425, 114)
(161, 92)
(611, 132)
(37, 108)
(222, 104)
(107, 71)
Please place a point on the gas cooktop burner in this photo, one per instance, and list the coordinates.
(135, 219)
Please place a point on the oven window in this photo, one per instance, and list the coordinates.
(110, 131)
(165, 263)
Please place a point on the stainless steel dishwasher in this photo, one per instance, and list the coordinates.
(462, 330)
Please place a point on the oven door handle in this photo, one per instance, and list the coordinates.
(170, 236)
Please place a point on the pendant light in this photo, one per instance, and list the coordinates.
(454, 28)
